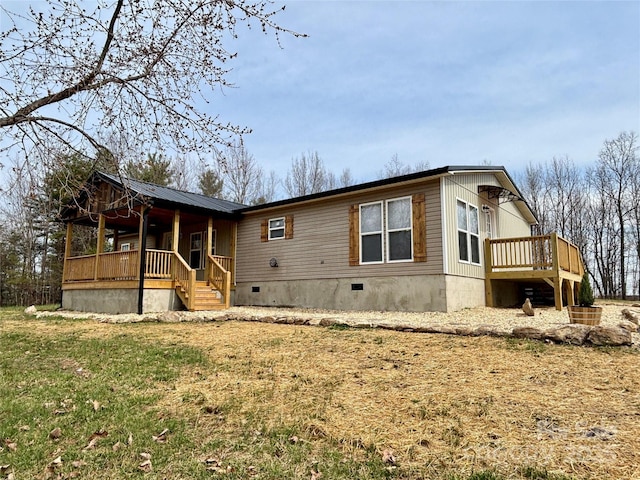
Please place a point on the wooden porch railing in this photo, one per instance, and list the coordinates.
(185, 278)
(118, 265)
(78, 269)
(549, 258)
(158, 264)
(543, 252)
(219, 276)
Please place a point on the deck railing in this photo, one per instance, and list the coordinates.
(79, 269)
(219, 276)
(185, 278)
(118, 265)
(543, 252)
(158, 264)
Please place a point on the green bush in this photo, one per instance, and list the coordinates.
(585, 294)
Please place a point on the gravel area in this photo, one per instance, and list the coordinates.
(497, 319)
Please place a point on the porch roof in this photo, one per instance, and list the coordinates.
(171, 197)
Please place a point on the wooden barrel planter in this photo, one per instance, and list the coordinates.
(585, 315)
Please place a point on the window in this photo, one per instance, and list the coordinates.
(371, 233)
(489, 220)
(468, 233)
(125, 247)
(276, 228)
(396, 235)
(391, 231)
(399, 230)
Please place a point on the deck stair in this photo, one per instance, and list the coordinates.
(206, 297)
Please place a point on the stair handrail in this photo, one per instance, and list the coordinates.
(185, 278)
(220, 278)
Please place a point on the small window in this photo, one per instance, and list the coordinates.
(125, 247)
(276, 228)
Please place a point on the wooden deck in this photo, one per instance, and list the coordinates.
(547, 258)
(162, 269)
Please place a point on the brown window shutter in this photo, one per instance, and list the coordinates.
(288, 227)
(419, 228)
(354, 235)
(264, 230)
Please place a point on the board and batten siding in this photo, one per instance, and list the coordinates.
(319, 247)
(509, 220)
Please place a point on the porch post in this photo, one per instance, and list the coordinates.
(175, 231)
(488, 290)
(209, 244)
(99, 246)
(67, 249)
(142, 251)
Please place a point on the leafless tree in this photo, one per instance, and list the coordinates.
(72, 72)
(241, 174)
(617, 165)
(307, 175)
(396, 168)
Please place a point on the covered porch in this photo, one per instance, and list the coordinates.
(546, 258)
(150, 245)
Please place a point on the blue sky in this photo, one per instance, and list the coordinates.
(440, 82)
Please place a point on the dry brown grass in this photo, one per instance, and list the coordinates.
(441, 403)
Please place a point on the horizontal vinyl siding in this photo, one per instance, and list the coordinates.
(319, 248)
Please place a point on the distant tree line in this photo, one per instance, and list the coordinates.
(597, 208)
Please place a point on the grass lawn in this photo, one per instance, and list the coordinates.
(240, 400)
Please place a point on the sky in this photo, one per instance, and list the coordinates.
(507, 83)
(449, 83)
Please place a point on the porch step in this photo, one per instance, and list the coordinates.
(207, 298)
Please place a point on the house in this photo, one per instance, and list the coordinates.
(440, 240)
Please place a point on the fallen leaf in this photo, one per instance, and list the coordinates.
(78, 463)
(10, 444)
(387, 457)
(55, 434)
(293, 439)
(162, 437)
(146, 466)
(315, 475)
(4, 469)
(145, 455)
(130, 440)
(25, 428)
(96, 405)
(117, 446)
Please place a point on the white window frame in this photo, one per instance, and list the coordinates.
(376, 232)
(389, 230)
(125, 247)
(489, 221)
(468, 233)
(273, 229)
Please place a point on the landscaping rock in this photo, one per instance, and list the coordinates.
(601, 335)
(574, 334)
(528, 308)
(631, 316)
(32, 310)
(531, 333)
(629, 326)
(170, 317)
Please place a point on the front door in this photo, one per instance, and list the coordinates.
(195, 250)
